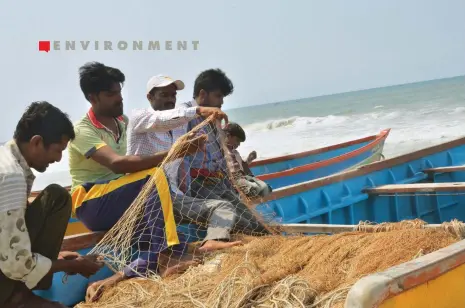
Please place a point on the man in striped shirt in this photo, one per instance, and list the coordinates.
(31, 234)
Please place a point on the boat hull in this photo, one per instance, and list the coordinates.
(340, 199)
(433, 280)
(345, 198)
(367, 152)
(282, 163)
(71, 290)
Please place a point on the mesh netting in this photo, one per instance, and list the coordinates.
(291, 271)
(211, 207)
(230, 255)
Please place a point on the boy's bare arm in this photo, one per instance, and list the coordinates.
(246, 168)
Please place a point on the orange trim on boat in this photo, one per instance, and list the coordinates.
(381, 137)
(278, 159)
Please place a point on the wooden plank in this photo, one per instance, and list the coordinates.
(316, 228)
(325, 228)
(81, 241)
(418, 187)
(445, 169)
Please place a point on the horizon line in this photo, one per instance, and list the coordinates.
(347, 92)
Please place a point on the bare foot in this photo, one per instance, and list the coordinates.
(179, 268)
(95, 290)
(217, 245)
(172, 265)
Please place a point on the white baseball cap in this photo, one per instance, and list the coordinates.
(159, 81)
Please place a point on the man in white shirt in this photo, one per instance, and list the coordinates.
(155, 129)
(31, 234)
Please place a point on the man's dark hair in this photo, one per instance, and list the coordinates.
(95, 77)
(213, 80)
(235, 130)
(45, 120)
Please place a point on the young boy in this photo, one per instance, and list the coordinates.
(249, 185)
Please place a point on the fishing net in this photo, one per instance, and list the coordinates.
(291, 271)
(266, 269)
(143, 243)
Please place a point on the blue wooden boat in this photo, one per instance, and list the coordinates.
(291, 161)
(425, 184)
(375, 192)
(297, 168)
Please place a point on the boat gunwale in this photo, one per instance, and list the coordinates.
(360, 171)
(373, 289)
(282, 158)
(381, 137)
(81, 241)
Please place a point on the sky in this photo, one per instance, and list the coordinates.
(272, 50)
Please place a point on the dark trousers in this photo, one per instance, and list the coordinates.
(46, 220)
(101, 205)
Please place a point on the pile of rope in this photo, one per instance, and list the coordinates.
(293, 271)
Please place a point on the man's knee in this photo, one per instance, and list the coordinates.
(218, 202)
(58, 192)
(58, 196)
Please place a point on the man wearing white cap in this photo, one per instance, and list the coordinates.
(155, 129)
